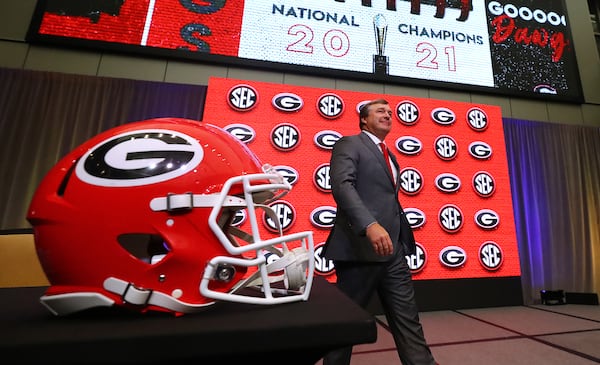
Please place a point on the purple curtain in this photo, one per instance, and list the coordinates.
(44, 115)
(555, 182)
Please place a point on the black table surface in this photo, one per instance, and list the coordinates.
(292, 333)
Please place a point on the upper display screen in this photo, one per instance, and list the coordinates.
(513, 47)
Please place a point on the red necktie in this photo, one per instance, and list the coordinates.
(386, 156)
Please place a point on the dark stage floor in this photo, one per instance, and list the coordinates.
(528, 335)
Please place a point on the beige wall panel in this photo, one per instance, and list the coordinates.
(403, 90)
(62, 60)
(585, 49)
(192, 73)
(19, 264)
(565, 113)
(15, 16)
(254, 75)
(591, 115)
(365, 87)
(112, 65)
(13, 54)
(503, 103)
(309, 81)
(442, 94)
(529, 109)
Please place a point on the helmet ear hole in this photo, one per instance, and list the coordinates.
(143, 246)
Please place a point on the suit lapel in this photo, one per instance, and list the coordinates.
(368, 142)
(397, 165)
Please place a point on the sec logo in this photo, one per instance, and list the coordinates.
(242, 97)
(446, 147)
(321, 178)
(285, 137)
(484, 184)
(451, 218)
(407, 112)
(490, 256)
(411, 181)
(477, 119)
(417, 261)
(330, 106)
(285, 217)
(323, 265)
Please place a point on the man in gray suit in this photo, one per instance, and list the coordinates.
(372, 236)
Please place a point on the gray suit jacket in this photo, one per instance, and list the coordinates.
(364, 193)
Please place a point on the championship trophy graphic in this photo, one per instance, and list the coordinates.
(380, 62)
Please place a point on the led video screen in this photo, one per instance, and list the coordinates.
(513, 47)
(454, 186)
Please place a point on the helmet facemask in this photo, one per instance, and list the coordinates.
(280, 269)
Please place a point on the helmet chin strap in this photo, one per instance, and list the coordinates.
(64, 304)
(144, 297)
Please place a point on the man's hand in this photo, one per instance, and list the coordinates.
(380, 239)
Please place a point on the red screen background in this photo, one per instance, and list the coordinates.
(307, 157)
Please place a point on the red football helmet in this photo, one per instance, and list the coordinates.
(141, 216)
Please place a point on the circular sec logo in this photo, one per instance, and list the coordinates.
(285, 217)
(446, 147)
(451, 218)
(242, 97)
(321, 178)
(484, 184)
(407, 112)
(330, 106)
(411, 181)
(477, 119)
(417, 261)
(490, 256)
(323, 265)
(285, 137)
